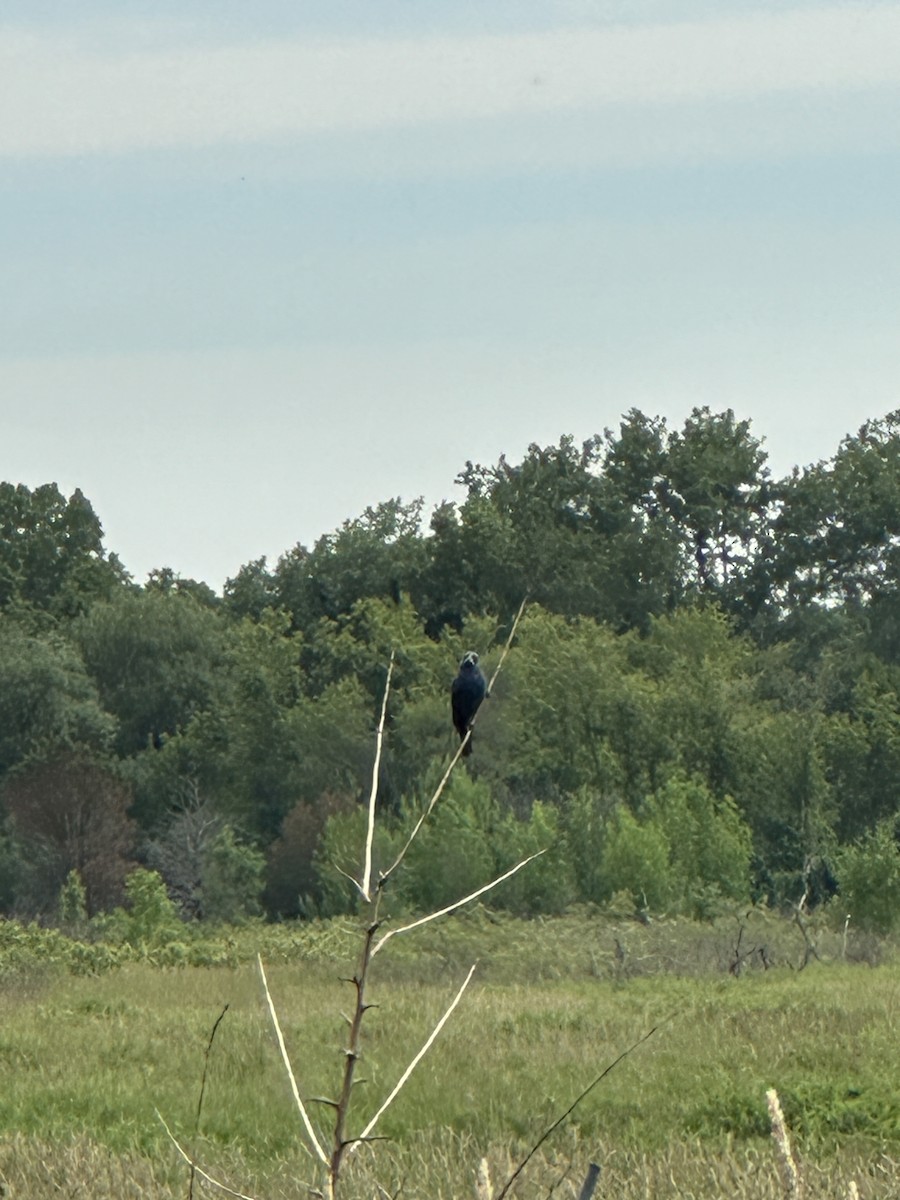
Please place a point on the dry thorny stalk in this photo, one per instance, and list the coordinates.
(793, 1181)
(331, 1158)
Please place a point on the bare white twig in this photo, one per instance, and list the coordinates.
(366, 885)
(415, 1062)
(457, 903)
(509, 640)
(456, 757)
(310, 1132)
(203, 1175)
(431, 803)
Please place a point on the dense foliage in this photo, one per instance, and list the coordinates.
(701, 705)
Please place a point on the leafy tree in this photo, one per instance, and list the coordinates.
(636, 860)
(580, 717)
(837, 539)
(869, 878)
(547, 884)
(376, 555)
(453, 855)
(232, 880)
(260, 744)
(47, 699)
(155, 657)
(51, 551)
(716, 490)
(710, 845)
(167, 582)
(149, 918)
(68, 813)
(862, 751)
(339, 854)
(251, 591)
(292, 880)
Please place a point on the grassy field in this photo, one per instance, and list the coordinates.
(85, 1062)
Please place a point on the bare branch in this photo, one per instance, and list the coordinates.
(509, 640)
(366, 1133)
(209, 1043)
(431, 803)
(310, 1132)
(578, 1099)
(366, 885)
(456, 757)
(457, 903)
(198, 1170)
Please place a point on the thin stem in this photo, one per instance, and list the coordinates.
(457, 903)
(456, 757)
(578, 1099)
(509, 641)
(365, 886)
(310, 1132)
(415, 1062)
(194, 1168)
(203, 1090)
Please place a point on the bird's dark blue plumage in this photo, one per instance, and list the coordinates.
(468, 690)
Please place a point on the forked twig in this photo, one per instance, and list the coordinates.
(456, 757)
(365, 886)
(310, 1132)
(457, 903)
(415, 1061)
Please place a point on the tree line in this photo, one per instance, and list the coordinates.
(700, 707)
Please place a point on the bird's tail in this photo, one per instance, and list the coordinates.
(467, 747)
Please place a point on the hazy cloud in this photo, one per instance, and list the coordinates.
(61, 96)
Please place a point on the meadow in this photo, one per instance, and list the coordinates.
(736, 1006)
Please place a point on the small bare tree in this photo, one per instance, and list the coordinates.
(331, 1153)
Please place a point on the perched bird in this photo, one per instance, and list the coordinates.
(468, 690)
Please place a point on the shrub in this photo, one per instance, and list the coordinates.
(150, 918)
(453, 854)
(547, 885)
(709, 844)
(636, 859)
(868, 874)
(73, 902)
(232, 879)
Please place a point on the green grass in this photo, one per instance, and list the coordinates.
(86, 1060)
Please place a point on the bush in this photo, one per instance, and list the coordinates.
(546, 885)
(868, 874)
(232, 880)
(453, 854)
(709, 845)
(73, 912)
(150, 918)
(635, 859)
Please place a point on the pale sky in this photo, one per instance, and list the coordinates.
(266, 264)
